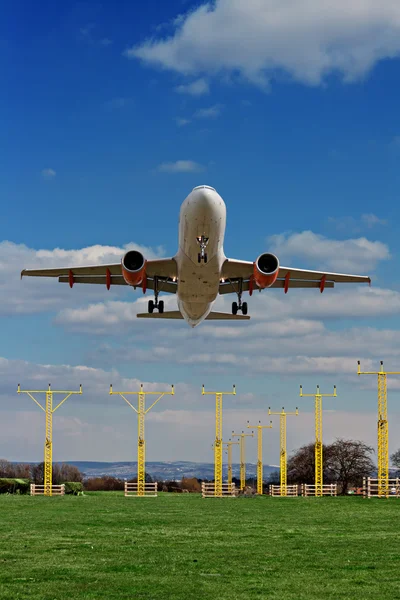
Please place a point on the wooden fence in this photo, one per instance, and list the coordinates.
(329, 489)
(208, 490)
(150, 490)
(291, 491)
(371, 488)
(56, 490)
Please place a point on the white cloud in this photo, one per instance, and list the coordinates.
(181, 122)
(355, 225)
(371, 220)
(353, 255)
(305, 39)
(199, 87)
(286, 335)
(33, 295)
(48, 173)
(208, 113)
(180, 166)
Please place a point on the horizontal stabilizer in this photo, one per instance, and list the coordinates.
(172, 314)
(175, 314)
(216, 316)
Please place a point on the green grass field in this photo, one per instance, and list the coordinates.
(180, 546)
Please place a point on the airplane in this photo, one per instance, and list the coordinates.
(199, 271)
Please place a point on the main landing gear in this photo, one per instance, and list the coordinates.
(158, 304)
(239, 305)
(202, 255)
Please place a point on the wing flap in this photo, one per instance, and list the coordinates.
(115, 269)
(168, 287)
(306, 275)
(230, 287)
(115, 279)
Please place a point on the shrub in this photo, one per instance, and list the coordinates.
(73, 487)
(14, 486)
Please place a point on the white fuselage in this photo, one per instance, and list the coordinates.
(203, 213)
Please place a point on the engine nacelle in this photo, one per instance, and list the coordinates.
(133, 266)
(265, 270)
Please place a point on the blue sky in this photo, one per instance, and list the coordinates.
(294, 122)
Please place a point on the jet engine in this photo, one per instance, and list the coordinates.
(265, 270)
(133, 267)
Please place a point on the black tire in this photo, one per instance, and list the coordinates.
(244, 308)
(151, 306)
(205, 258)
(199, 258)
(234, 308)
(161, 307)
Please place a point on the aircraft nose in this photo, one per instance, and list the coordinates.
(206, 196)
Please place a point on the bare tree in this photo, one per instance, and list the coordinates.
(350, 462)
(395, 459)
(301, 465)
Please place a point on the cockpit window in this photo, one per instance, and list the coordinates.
(207, 187)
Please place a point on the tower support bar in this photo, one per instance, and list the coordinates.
(218, 448)
(283, 454)
(229, 452)
(242, 440)
(382, 427)
(319, 467)
(260, 453)
(48, 443)
(141, 412)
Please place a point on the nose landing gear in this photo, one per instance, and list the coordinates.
(202, 255)
(239, 305)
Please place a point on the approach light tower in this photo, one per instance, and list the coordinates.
(48, 444)
(283, 456)
(141, 412)
(319, 468)
(229, 452)
(383, 428)
(242, 440)
(259, 453)
(218, 448)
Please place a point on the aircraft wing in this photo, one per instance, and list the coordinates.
(235, 270)
(162, 268)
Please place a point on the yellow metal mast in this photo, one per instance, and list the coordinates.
(319, 469)
(383, 428)
(218, 437)
(242, 440)
(259, 453)
(48, 444)
(229, 452)
(283, 456)
(141, 413)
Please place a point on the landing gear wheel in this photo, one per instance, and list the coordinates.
(161, 307)
(205, 258)
(234, 308)
(199, 258)
(151, 306)
(244, 308)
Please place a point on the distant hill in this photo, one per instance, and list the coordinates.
(163, 470)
